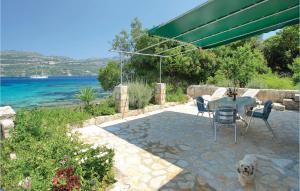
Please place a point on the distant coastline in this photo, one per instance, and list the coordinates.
(23, 63)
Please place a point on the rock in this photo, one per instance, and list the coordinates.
(278, 107)
(296, 98)
(182, 163)
(6, 112)
(118, 186)
(159, 172)
(282, 163)
(156, 182)
(290, 104)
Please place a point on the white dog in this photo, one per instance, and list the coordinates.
(246, 169)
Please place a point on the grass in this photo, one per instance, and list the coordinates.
(174, 94)
(271, 81)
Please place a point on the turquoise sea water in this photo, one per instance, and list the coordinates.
(20, 92)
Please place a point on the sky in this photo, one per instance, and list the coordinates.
(79, 28)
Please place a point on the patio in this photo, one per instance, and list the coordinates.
(173, 149)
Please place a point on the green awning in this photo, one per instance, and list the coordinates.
(219, 22)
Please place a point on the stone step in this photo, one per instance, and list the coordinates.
(278, 107)
(296, 97)
(290, 104)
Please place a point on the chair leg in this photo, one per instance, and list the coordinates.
(248, 124)
(270, 128)
(215, 131)
(234, 133)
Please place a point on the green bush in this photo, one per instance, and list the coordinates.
(175, 94)
(295, 68)
(42, 146)
(109, 76)
(105, 107)
(87, 95)
(140, 94)
(271, 81)
(256, 83)
(220, 80)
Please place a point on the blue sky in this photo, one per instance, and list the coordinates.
(79, 28)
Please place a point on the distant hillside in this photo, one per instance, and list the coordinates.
(19, 63)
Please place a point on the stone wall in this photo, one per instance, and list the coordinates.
(277, 96)
(105, 118)
(7, 117)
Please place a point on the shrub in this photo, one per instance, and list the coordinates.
(220, 80)
(271, 81)
(109, 76)
(140, 94)
(295, 68)
(175, 94)
(256, 83)
(41, 145)
(87, 95)
(105, 107)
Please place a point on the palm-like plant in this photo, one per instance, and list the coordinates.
(87, 95)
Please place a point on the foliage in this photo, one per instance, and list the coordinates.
(174, 94)
(109, 76)
(140, 94)
(235, 63)
(271, 81)
(241, 61)
(105, 107)
(41, 143)
(86, 95)
(295, 68)
(65, 180)
(281, 49)
(220, 80)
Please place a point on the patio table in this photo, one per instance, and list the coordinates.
(240, 104)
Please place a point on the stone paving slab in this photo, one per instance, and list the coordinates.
(173, 149)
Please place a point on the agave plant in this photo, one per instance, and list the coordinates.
(87, 95)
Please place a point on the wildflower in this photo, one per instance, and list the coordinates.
(62, 162)
(25, 184)
(94, 147)
(13, 156)
(83, 150)
(55, 181)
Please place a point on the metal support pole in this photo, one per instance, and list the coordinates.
(159, 69)
(121, 68)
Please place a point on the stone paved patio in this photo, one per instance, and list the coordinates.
(173, 149)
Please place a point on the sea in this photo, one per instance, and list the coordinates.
(25, 92)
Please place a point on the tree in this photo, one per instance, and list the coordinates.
(109, 77)
(281, 49)
(240, 61)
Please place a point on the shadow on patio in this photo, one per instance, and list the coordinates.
(173, 149)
